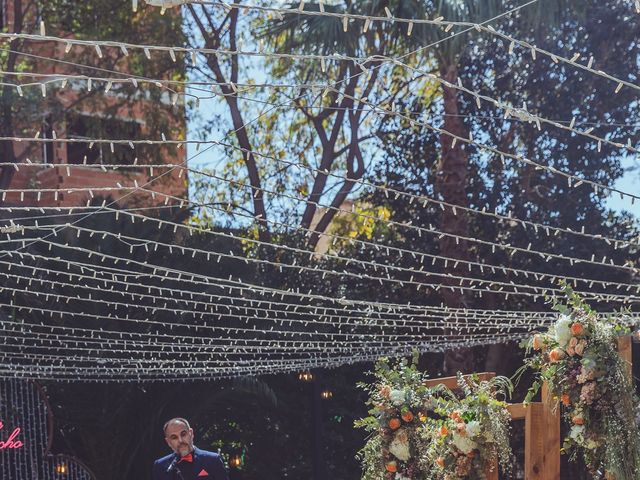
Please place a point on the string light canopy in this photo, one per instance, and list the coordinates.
(159, 308)
(232, 316)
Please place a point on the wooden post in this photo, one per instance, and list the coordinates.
(550, 435)
(626, 352)
(491, 474)
(534, 440)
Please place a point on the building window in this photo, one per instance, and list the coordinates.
(48, 147)
(86, 127)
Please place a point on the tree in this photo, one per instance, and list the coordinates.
(324, 130)
(24, 18)
(25, 111)
(514, 188)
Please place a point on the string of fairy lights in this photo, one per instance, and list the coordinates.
(163, 308)
(398, 251)
(421, 258)
(516, 112)
(428, 231)
(148, 245)
(465, 283)
(538, 228)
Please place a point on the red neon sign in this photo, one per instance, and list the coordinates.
(12, 441)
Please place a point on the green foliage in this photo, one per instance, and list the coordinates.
(412, 156)
(471, 434)
(578, 359)
(398, 401)
(418, 432)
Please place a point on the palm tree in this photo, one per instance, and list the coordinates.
(442, 51)
(336, 119)
(448, 50)
(452, 169)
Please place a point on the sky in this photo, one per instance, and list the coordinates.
(629, 183)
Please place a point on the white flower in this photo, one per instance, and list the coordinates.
(473, 428)
(563, 330)
(464, 444)
(400, 446)
(591, 444)
(397, 397)
(399, 476)
(577, 433)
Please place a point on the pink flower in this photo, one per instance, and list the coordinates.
(585, 375)
(587, 392)
(580, 347)
(385, 391)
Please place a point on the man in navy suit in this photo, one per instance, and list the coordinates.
(187, 462)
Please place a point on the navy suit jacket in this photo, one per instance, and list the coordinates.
(205, 466)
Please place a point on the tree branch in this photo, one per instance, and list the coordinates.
(240, 130)
(6, 127)
(353, 175)
(328, 148)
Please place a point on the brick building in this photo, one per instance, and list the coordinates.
(75, 110)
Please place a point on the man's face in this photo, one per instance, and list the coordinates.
(179, 438)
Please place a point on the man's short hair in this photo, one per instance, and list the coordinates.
(176, 419)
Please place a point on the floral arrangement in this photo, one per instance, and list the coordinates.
(578, 359)
(399, 402)
(420, 433)
(471, 435)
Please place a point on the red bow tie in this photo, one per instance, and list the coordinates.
(186, 458)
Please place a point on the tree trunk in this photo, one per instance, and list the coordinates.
(6, 98)
(451, 184)
(212, 39)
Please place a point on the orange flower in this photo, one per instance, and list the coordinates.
(577, 329)
(580, 347)
(440, 462)
(391, 467)
(444, 431)
(394, 423)
(556, 355)
(537, 342)
(577, 420)
(455, 415)
(385, 391)
(566, 401)
(407, 416)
